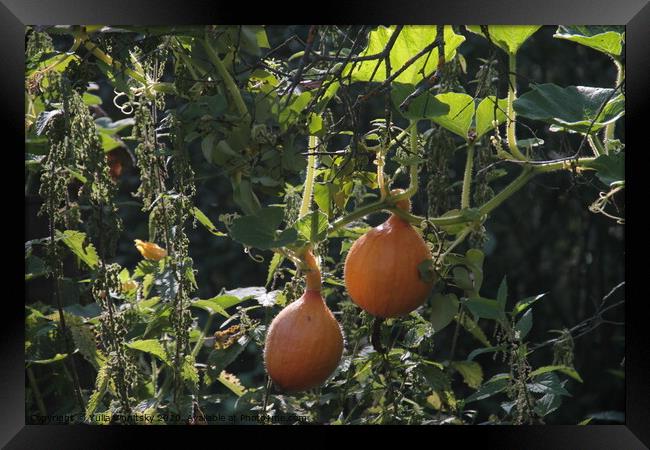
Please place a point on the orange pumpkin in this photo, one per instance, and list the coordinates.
(381, 268)
(304, 343)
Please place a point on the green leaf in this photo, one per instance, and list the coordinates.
(236, 296)
(611, 168)
(605, 39)
(218, 360)
(488, 389)
(211, 306)
(232, 383)
(55, 358)
(75, 242)
(548, 383)
(322, 197)
(479, 351)
(151, 346)
(487, 112)
(188, 370)
(315, 124)
(206, 222)
(260, 229)
(424, 106)
(570, 371)
(523, 305)
(525, 324)
(411, 40)
(313, 226)
(508, 37)
(484, 308)
(458, 119)
(273, 266)
(502, 294)
(443, 310)
(462, 279)
(101, 385)
(91, 99)
(547, 404)
(471, 372)
(243, 195)
(572, 108)
(472, 328)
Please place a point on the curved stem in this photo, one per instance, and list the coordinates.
(228, 82)
(309, 178)
(596, 145)
(467, 178)
(513, 187)
(610, 128)
(413, 169)
(529, 171)
(312, 271)
(512, 95)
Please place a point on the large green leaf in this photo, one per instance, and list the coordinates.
(571, 108)
(606, 39)
(488, 389)
(458, 119)
(570, 371)
(471, 372)
(206, 222)
(75, 241)
(151, 346)
(313, 226)
(218, 304)
(507, 37)
(443, 310)
(411, 40)
(611, 168)
(424, 106)
(488, 111)
(260, 230)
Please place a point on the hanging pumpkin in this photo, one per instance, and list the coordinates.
(304, 342)
(381, 269)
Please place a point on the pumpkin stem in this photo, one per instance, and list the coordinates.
(403, 204)
(313, 275)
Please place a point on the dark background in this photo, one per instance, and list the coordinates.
(544, 238)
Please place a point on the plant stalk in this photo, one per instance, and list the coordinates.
(229, 83)
(511, 119)
(309, 178)
(610, 128)
(467, 178)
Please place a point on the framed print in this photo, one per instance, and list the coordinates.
(403, 215)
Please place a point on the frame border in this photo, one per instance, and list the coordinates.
(635, 14)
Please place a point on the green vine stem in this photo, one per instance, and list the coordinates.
(610, 128)
(511, 116)
(106, 59)
(596, 145)
(467, 178)
(229, 83)
(413, 169)
(309, 178)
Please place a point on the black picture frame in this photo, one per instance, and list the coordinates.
(635, 14)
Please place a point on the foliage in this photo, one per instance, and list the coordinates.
(308, 144)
